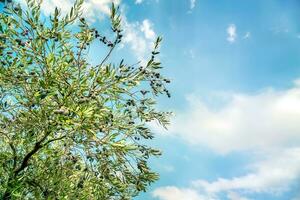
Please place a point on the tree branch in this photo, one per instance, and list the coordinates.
(38, 145)
(54, 139)
(103, 61)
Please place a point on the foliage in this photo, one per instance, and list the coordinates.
(70, 129)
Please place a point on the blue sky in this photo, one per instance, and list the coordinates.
(233, 62)
(235, 67)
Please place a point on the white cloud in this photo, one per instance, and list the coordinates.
(48, 6)
(235, 196)
(138, 1)
(192, 4)
(272, 175)
(139, 37)
(231, 31)
(265, 124)
(268, 119)
(141, 1)
(146, 28)
(174, 193)
(94, 8)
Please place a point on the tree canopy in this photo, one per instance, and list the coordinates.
(70, 129)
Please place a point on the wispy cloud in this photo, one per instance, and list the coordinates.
(235, 196)
(139, 37)
(192, 4)
(231, 33)
(174, 193)
(247, 35)
(138, 1)
(147, 29)
(271, 175)
(267, 119)
(265, 123)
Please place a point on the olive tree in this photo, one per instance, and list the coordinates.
(70, 129)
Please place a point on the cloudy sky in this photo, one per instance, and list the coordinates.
(235, 66)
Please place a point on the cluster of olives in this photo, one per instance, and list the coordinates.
(103, 39)
(25, 32)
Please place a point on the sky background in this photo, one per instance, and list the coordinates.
(235, 70)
